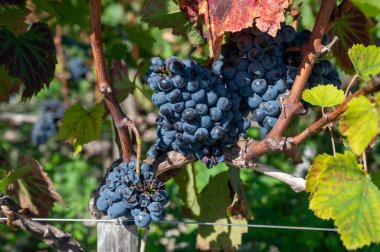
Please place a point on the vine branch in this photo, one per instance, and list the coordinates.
(120, 119)
(51, 235)
(275, 140)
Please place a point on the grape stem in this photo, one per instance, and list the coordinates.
(352, 82)
(122, 122)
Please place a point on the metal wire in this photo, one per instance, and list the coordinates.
(190, 223)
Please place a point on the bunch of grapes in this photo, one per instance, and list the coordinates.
(47, 125)
(77, 69)
(128, 194)
(261, 69)
(197, 115)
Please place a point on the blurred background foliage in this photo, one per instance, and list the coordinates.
(128, 38)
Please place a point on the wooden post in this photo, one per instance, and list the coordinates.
(117, 237)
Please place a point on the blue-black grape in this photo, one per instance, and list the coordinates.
(128, 194)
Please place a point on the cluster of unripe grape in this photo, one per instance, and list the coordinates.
(129, 194)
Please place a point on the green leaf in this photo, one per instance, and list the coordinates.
(13, 16)
(30, 57)
(80, 126)
(376, 178)
(167, 14)
(13, 176)
(187, 189)
(214, 200)
(67, 12)
(369, 7)
(139, 36)
(344, 192)
(360, 123)
(366, 60)
(324, 96)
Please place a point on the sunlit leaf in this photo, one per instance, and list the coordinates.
(366, 60)
(80, 126)
(30, 57)
(360, 123)
(324, 96)
(167, 14)
(344, 192)
(214, 201)
(369, 7)
(218, 17)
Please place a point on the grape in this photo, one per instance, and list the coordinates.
(189, 128)
(217, 132)
(215, 114)
(178, 81)
(192, 85)
(262, 41)
(245, 42)
(201, 134)
(272, 107)
(156, 63)
(102, 204)
(256, 70)
(198, 96)
(242, 78)
(159, 98)
(270, 94)
(77, 69)
(288, 33)
(228, 72)
(189, 114)
(178, 107)
(258, 115)
(269, 122)
(259, 85)
(190, 104)
(223, 104)
(142, 219)
(206, 121)
(186, 96)
(165, 83)
(241, 64)
(166, 109)
(255, 54)
(212, 98)
(201, 109)
(216, 66)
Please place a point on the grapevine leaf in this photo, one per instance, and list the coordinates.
(370, 7)
(35, 190)
(366, 60)
(30, 57)
(80, 126)
(141, 37)
(344, 192)
(66, 12)
(188, 191)
(376, 178)
(13, 16)
(324, 96)
(217, 17)
(9, 85)
(167, 14)
(360, 123)
(13, 176)
(214, 200)
(351, 29)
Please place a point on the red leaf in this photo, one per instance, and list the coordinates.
(220, 16)
(35, 190)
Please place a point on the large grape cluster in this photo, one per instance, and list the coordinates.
(261, 69)
(127, 194)
(197, 114)
(47, 125)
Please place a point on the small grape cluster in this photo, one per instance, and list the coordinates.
(197, 115)
(47, 125)
(77, 69)
(262, 69)
(128, 194)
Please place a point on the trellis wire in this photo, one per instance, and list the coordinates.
(189, 223)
